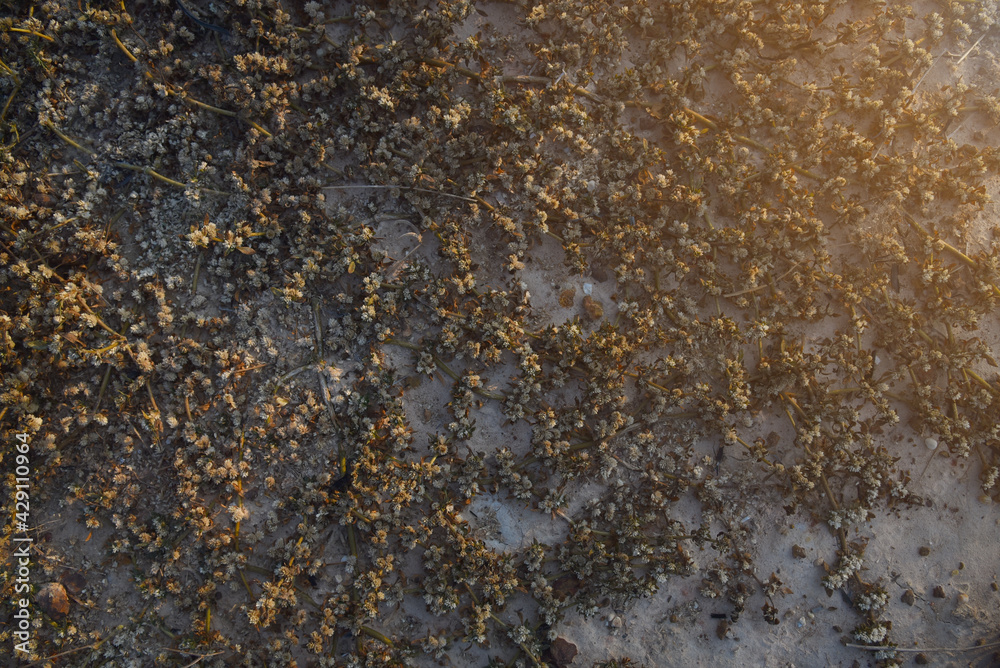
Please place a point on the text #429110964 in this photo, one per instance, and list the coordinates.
(22, 545)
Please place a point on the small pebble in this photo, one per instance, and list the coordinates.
(566, 297)
(908, 597)
(924, 551)
(921, 659)
(939, 592)
(593, 308)
(74, 582)
(52, 599)
(931, 443)
(588, 289)
(798, 552)
(563, 652)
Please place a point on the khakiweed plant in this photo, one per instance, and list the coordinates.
(223, 372)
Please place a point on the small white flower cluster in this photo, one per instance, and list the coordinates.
(849, 565)
(847, 517)
(873, 600)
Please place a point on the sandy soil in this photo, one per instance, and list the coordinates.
(259, 427)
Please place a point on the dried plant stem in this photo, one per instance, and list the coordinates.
(128, 54)
(17, 88)
(24, 31)
(187, 99)
(505, 625)
(197, 268)
(979, 379)
(381, 637)
(104, 386)
(515, 79)
(888, 648)
(246, 584)
(498, 396)
(760, 287)
(149, 171)
(970, 49)
(946, 246)
(95, 645)
(412, 188)
(186, 653)
(894, 59)
(100, 322)
(743, 139)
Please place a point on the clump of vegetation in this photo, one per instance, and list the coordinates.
(200, 318)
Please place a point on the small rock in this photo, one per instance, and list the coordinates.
(563, 652)
(939, 592)
(599, 273)
(74, 582)
(566, 297)
(722, 629)
(565, 587)
(924, 551)
(53, 601)
(921, 659)
(908, 597)
(593, 308)
(588, 289)
(798, 552)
